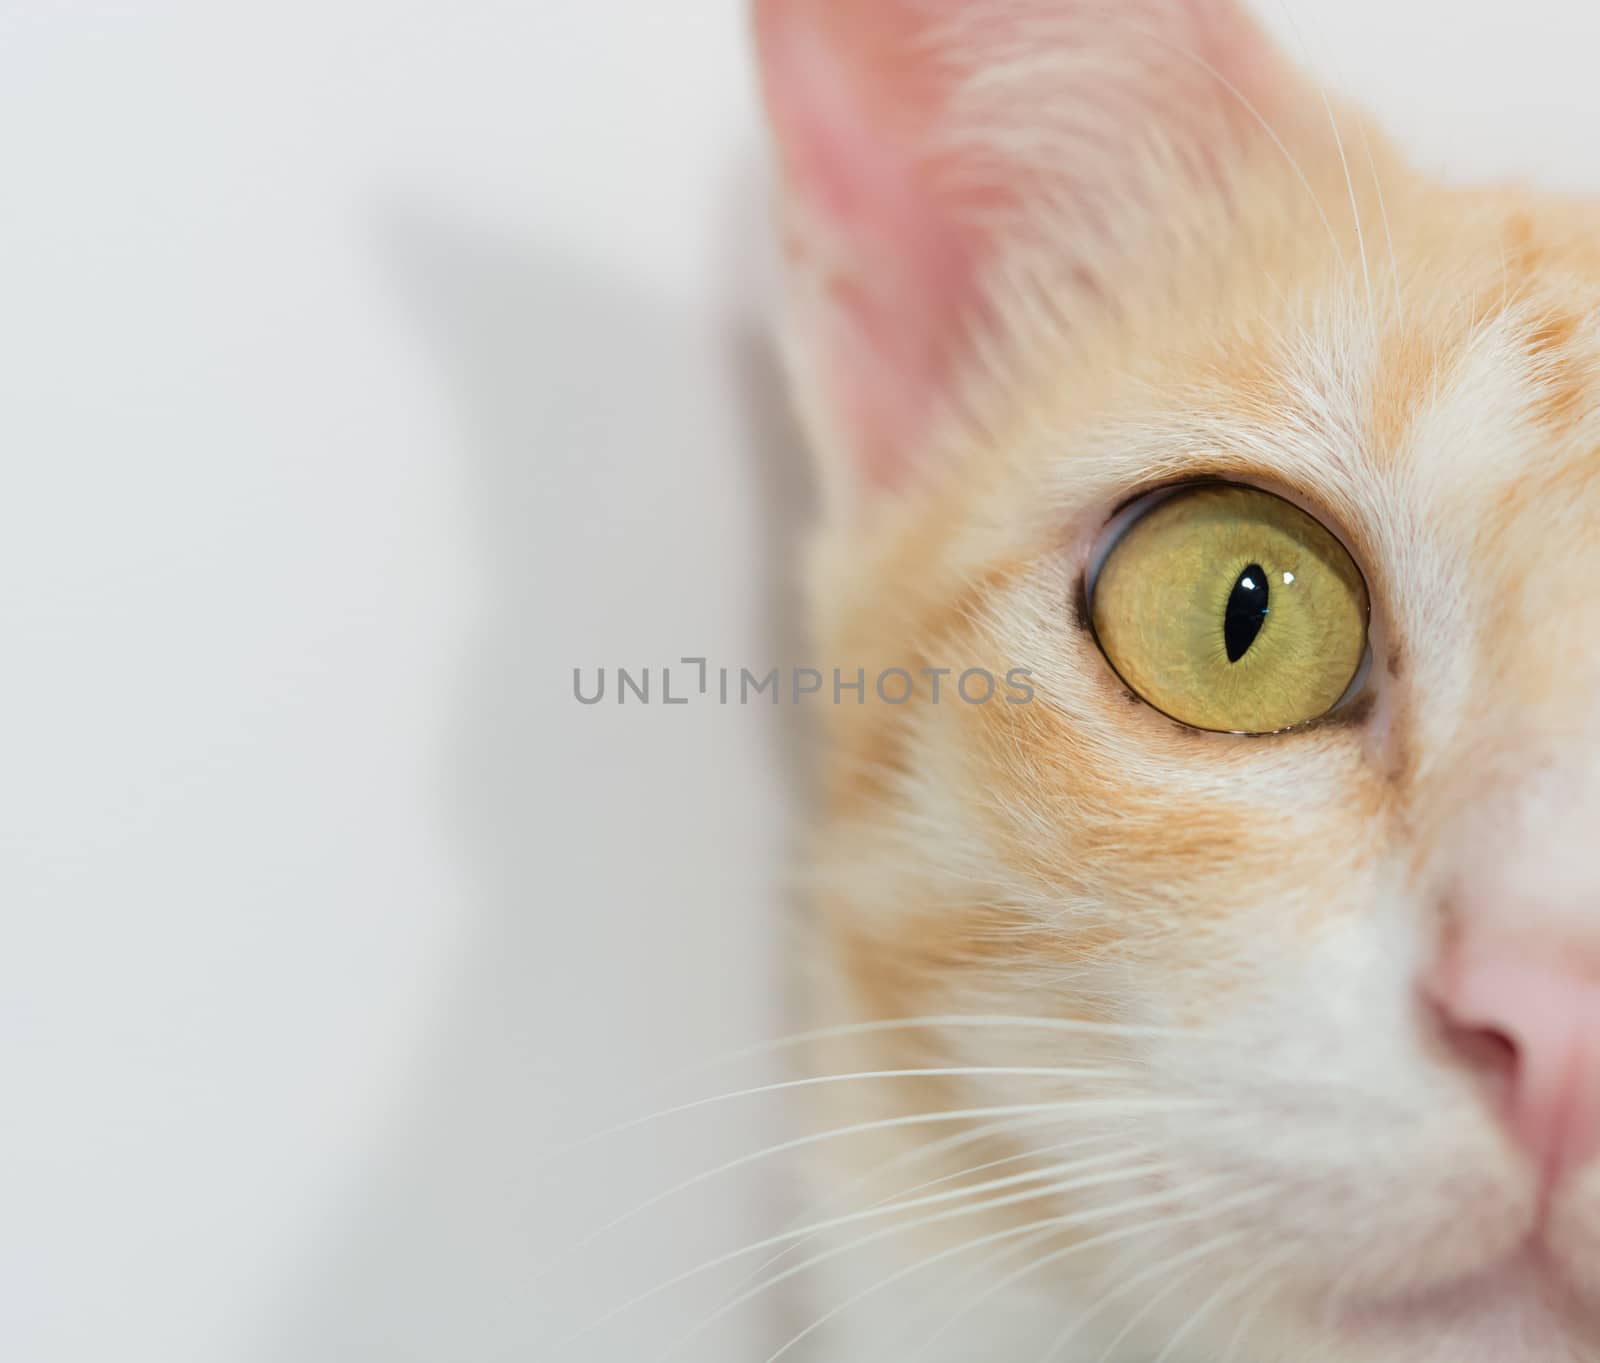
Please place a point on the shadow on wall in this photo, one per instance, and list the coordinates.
(638, 495)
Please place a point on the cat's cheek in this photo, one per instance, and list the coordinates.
(1576, 1234)
(1167, 828)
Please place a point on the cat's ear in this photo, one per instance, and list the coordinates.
(916, 140)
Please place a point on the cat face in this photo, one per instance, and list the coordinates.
(1096, 311)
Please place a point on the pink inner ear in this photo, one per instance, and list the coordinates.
(886, 242)
(854, 98)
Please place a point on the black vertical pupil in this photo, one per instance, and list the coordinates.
(1246, 612)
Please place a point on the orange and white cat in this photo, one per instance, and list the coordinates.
(1251, 969)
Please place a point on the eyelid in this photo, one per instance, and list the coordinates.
(1123, 520)
(1128, 512)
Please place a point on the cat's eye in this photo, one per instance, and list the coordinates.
(1228, 608)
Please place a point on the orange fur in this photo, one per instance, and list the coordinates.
(1429, 389)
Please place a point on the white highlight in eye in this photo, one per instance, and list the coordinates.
(1287, 579)
(1248, 583)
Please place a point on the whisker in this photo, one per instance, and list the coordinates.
(955, 1194)
(1200, 1214)
(923, 1152)
(895, 1277)
(987, 1265)
(1045, 1171)
(1377, 185)
(1027, 1270)
(1043, 1110)
(1383, 214)
(1226, 1292)
(1248, 1317)
(1145, 1310)
(1165, 1266)
(860, 1076)
(1266, 127)
(842, 1030)
(1344, 162)
(920, 1222)
(1033, 1228)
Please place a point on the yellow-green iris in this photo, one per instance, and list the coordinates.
(1228, 608)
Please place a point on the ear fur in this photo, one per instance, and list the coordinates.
(922, 141)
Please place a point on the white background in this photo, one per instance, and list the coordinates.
(364, 368)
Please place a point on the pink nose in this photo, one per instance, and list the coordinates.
(1531, 1028)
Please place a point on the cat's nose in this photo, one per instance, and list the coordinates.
(1529, 1026)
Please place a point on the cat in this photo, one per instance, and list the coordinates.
(1248, 975)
